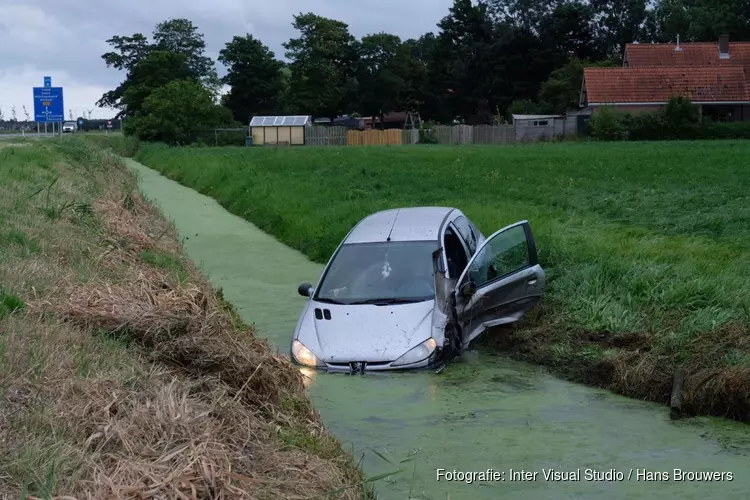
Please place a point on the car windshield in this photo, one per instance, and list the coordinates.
(372, 273)
(68, 124)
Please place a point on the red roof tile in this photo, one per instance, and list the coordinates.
(640, 55)
(657, 85)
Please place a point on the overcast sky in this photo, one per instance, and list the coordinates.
(65, 39)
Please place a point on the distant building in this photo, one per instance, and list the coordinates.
(713, 75)
(538, 127)
(279, 130)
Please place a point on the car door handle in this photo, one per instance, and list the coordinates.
(531, 281)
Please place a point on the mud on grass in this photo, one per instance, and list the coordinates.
(122, 372)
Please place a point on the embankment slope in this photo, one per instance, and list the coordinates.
(122, 372)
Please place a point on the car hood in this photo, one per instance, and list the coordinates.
(365, 332)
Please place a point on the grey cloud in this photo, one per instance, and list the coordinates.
(76, 30)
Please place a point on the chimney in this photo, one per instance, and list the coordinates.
(724, 47)
(678, 48)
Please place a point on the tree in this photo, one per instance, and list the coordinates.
(2, 117)
(181, 36)
(525, 14)
(177, 113)
(702, 20)
(178, 36)
(154, 71)
(129, 50)
(462, 62)
(386, 75)
(323, 66)
(13, 116)
(255, 77)
(621, 22)
(26, 114)
(570, 29)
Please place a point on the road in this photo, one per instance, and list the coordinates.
(31, 135)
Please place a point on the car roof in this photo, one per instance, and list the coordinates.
(401, 224)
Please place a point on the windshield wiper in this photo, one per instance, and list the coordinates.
(330, 301)
(385, 302)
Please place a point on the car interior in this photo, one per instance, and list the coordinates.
(455, 254)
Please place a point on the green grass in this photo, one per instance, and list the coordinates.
(9, 304)
(173, 264)
(636, 238)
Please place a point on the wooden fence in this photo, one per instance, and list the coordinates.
(326, 136)
(444, 134)
(389, 137)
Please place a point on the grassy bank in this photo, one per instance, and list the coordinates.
(122, 372)
(646, 245)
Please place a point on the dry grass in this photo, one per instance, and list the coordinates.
(122, 379)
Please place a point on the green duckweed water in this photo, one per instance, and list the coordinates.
(484, 412)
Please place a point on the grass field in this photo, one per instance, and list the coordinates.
(123, 374)
(646, 245)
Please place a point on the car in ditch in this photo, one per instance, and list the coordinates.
(410, 288)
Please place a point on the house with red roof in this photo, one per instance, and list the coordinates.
(713, 75)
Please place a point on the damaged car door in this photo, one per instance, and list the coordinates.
(502, 281)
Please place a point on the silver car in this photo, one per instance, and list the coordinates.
(411, 288)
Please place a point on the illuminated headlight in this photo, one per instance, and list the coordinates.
(303, 355)
(419, 353)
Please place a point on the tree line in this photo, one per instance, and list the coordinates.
(487, 59)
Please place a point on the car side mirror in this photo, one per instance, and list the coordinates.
(468, 289)
(305, 289)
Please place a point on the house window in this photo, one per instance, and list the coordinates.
(540, 123)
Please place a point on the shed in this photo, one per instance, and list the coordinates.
(535, 127)
(279, 130)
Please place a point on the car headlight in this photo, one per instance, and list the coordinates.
(417, 354)
(303, 355)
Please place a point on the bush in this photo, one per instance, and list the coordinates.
(177, 113)
(608, 124)
(646, 126)
(427, 136)
(680, 119)
(733, 130)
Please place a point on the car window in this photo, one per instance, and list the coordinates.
(464, 228)
(455, 254)
(503, 254)
(374, 271)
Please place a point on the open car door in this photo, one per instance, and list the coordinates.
(502, 281)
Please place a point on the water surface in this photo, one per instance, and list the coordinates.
(484, 412)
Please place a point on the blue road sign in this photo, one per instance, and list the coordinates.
(47, 81)
(48, 104)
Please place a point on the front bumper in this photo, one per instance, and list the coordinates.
(433, 362)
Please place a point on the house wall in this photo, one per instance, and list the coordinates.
(285, 134)
(258, 136)
(298, 136)
(633, 110)
(739, 112)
